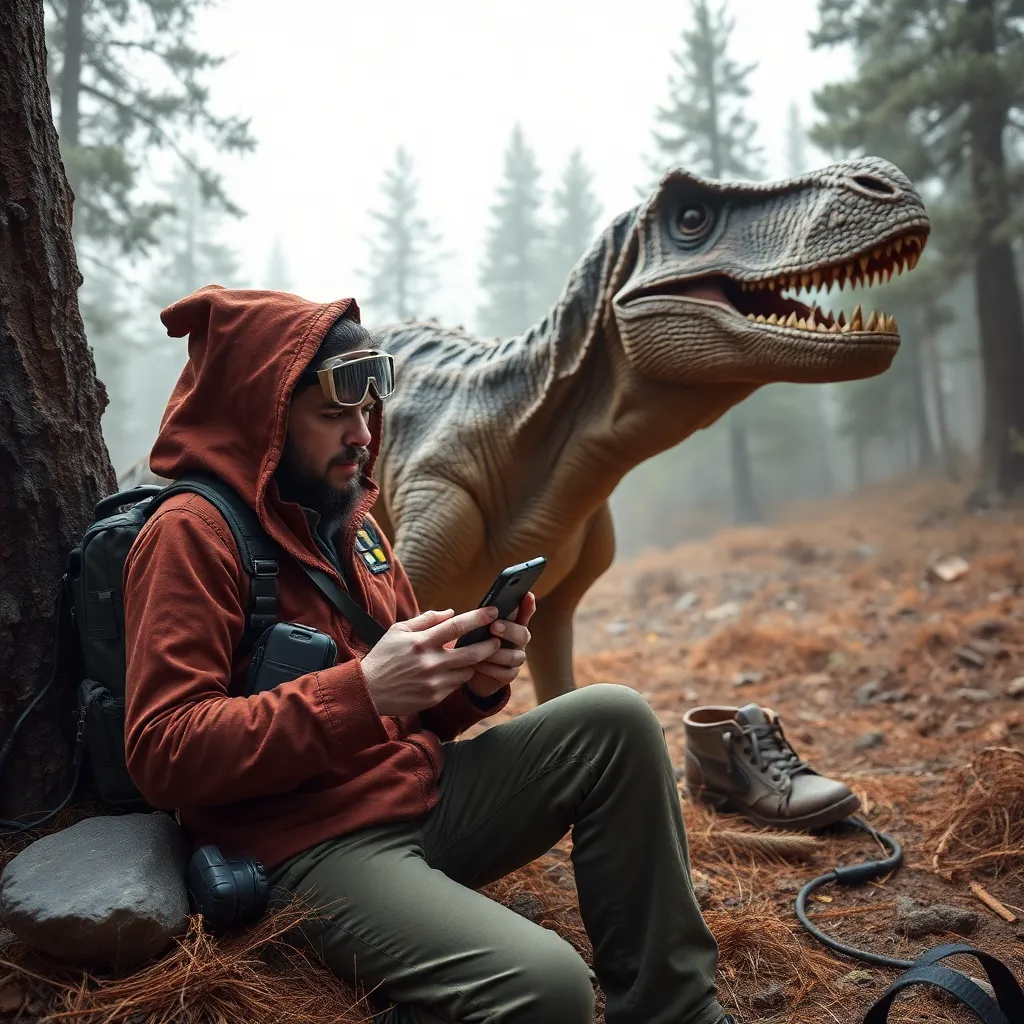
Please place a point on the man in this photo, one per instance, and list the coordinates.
(346, 783)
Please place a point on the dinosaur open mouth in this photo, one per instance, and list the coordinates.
(764, 301)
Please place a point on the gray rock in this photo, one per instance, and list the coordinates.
(703, 894)
(108, 891)
(974, 696)
(1016, 687)
(769, 999)
(870, 740)
(864, 695)
(915, 921)
(747, 679)
(525, 904)
(687, 601)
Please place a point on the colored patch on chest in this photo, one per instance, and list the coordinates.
(370, 548)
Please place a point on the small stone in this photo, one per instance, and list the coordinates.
(1016, 687)
(728, 610)
(915, 921)
(988, 628)
(617, 627)
(986, 648)
(702, 893)
(974, 696)
(862, 979)
(769, 999)
(950, 568)
(970, 657)
(870, 740)
(687, 601)
(525, 904)
(788, 885)
(892, 697)
(864, 695)
(747, 679)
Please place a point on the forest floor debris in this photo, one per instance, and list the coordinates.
(850, 620)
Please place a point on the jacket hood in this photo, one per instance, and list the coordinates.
(228, 413)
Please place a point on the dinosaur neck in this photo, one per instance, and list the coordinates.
(594, 418)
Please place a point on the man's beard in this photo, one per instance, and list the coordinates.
(299, 482)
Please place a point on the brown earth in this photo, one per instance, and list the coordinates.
(884, 674)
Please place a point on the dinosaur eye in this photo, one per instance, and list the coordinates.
(692, 219)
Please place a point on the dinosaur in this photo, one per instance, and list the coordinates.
(498, 450)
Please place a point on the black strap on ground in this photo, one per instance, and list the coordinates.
(1008, 1006)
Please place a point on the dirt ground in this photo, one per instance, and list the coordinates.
(905, 684)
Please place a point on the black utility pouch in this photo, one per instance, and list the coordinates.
(102, 723)
(286, 651)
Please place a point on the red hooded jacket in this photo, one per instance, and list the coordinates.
(276, 773)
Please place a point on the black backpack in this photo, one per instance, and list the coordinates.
(90, 625)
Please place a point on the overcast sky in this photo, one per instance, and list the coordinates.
(333, 88)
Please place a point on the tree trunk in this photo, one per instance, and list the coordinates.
(70, 88)
(919, 403)
(860, 465)
(53, 464)
(933, 371)
(1000, 313)
(744, 504)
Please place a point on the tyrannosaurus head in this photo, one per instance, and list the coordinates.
(711, 296)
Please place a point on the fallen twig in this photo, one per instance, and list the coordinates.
(991, 902)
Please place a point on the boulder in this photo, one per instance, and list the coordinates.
(108, 891)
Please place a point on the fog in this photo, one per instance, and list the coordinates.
(332, 91)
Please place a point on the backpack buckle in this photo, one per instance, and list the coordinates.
(264, 567)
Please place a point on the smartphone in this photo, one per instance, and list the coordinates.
(507, 592)
(286, 651)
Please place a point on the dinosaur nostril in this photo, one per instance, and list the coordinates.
(875, 185)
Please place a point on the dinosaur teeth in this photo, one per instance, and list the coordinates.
(872, 323)
(791, 320)
(857, 320)
(773, 319)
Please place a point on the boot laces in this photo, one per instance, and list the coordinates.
(769, 750)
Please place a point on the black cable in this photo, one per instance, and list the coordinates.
(61, 613)
(855, 874)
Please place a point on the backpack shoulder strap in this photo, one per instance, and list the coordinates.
(258, 552)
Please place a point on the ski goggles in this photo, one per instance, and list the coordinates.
(347, 379)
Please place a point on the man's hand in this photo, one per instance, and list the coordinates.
(415, 666)
(502, 667)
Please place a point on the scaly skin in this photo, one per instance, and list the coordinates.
(496, 451)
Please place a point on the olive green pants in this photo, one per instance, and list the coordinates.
(401, 914)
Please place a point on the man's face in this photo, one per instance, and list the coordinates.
(325, 450)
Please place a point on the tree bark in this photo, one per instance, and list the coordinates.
(933, 369)
(53, 463)
(1000, 312)
(919, 403)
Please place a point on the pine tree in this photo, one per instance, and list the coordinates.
(705, 128)
(404, 255)
(513, 272)
(956, 121)
(278, 276)
(576, 214)
(104, 57)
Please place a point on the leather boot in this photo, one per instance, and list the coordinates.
(738, 759)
